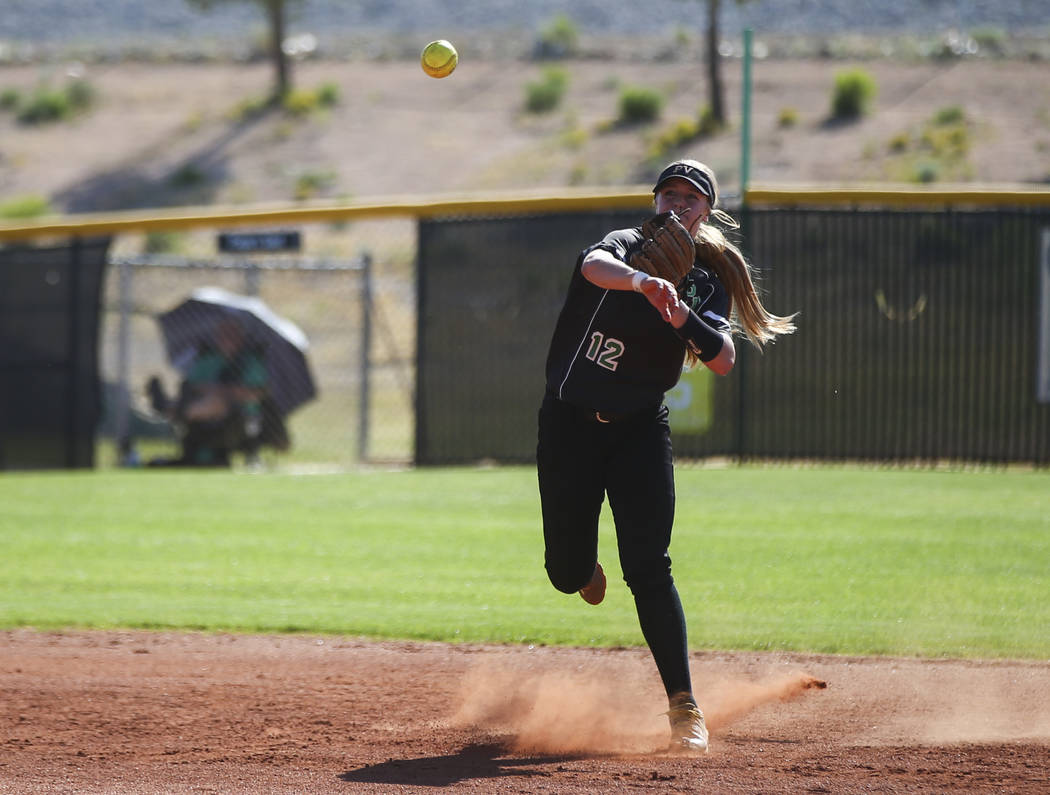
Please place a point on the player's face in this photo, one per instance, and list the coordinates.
(688, 203)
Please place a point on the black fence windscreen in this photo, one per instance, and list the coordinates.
(922, 335)
(49, 387)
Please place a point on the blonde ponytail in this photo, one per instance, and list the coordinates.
(746, 311)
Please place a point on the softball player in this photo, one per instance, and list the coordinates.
(620, 343)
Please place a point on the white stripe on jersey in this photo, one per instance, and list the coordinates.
(583, 342)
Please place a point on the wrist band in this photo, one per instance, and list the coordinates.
(636, 281)
(706, 341)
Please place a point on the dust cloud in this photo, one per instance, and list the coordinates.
(736, 698)
(559, 712)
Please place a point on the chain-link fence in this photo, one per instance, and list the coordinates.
(923, 333)
(919, 337)
(355, 313)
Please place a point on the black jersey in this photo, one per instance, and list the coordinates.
(611, 351)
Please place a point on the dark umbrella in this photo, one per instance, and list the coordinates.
(194, 323)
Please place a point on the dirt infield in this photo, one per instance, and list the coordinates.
(141, 712)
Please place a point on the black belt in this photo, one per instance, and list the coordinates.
(599, 416)
(605, 417)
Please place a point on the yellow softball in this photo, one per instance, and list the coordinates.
(439, 58)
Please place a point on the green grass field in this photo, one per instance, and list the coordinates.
(822, 559)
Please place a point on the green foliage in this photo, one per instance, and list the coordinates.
(939, 149)
(25, 207)
(683, 131)
(991, 41)
(578, 174)
(926, 171)
(47, 104)
(81, 94)
(302, 102)
(679, 133)
(10, 98)
(640, 105)
(299, 102)
(188, 175)
(707, 123)
(559, 38)
(328, 95)
(854, 90)
(249, 109)
(899, 142)
(545, 94)
(950, 114)
(162, 242)
(574, 138)
(311, 184)
(788, 117)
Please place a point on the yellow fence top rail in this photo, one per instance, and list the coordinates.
(521, 203)
(92, 225)
(897, 196)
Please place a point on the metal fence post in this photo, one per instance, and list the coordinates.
(252, 278)
(366, 345)
(122, 423)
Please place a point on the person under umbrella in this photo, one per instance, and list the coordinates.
(220, 407)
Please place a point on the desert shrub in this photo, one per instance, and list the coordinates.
(573, 136)
(788, 117)
(45, 105)
(682, 131)
(926, 171)
(81, 95)
(706, 122)
(852, 95)
(328, 95)
(640, 105)
(248, 109)
(25, 207)
(899, 142)
(162, 242)
(990, 40)
(187, 175)
(946, 141)
(299, 102)
(10, 98)
(559, 38)
(312, 183)
(546, 93)
(950, 114)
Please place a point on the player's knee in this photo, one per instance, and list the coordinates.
(568, 578)
(645, 580)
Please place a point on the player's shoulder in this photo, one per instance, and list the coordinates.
(618, 242)
(628, 235)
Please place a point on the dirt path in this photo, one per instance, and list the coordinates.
(138, 712)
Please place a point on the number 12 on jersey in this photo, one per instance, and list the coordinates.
(605, 352)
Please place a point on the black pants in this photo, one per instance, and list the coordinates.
(579, 461)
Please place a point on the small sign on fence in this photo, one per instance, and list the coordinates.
(255, 242)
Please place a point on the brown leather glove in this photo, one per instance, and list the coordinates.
(668, 251)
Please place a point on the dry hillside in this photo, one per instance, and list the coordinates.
(176, 134)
